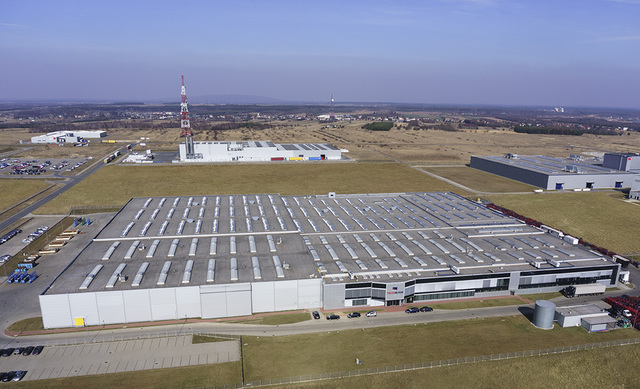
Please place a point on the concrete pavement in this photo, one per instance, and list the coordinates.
(118, 357)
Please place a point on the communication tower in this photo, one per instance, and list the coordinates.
(184, 122)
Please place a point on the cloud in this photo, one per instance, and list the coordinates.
(637, 2)
(11, 25)
(619, 38)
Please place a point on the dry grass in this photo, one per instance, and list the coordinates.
(285, 356)
(599, 368)
(273, 320)
(115, 185)
(16, 190)
(479, 180)
(179, 377)
(30, 324)
(601, 218)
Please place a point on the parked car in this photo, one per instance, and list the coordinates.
(2, 374)
(353, 314)
(28, 350)
(18, 350)
(7, 351)
(19, 375)
(626, 313)
(426, 309)
(8, 376)
(4, 258)
(37, 350)
(372, 313)
(315, 314)
(412, 310)
(333, 316)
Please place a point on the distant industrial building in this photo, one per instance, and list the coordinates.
(68, 137)
(219, 256)
(622, 161)
(634, 192)
(258, 151)
(550, 173)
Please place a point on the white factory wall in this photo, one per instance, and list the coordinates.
(136, 305)
(206, 301)
(56, 310)
(217, 152)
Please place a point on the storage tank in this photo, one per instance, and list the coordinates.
(543, 314)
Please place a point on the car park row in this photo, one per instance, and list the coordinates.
(25, 351)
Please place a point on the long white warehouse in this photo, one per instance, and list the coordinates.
(164, 258)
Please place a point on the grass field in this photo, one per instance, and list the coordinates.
(478, 180)
(286, 318)
(285, 356)
(599, 368)
(115, 185)
(15, 190)
(601, 218)
(182, 377)
(30, 324)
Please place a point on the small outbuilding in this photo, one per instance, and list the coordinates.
(573, 316)
(598, 323)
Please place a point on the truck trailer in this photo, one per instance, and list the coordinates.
(584, 290)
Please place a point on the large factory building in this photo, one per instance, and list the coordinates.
(555, 173)
(220, 256)
(258, 151)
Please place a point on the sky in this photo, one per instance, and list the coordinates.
(490, 52)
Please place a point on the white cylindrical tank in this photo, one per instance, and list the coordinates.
(543, 314)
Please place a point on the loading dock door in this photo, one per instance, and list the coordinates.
(559, 185)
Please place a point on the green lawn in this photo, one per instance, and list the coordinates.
(115, 185)
(479, 180)
(285, 356)
(601, 218)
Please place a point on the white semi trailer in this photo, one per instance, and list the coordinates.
(583, 290)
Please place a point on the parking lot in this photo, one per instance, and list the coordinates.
(34, 167)
(122, 356)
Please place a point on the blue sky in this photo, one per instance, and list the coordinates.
(552, 53)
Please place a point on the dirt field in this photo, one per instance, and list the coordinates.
(407, 145)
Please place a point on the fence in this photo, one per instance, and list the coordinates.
(426, 365)
(90, 209)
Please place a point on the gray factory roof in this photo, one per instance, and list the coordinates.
(554, 166)
(581, 310)
(183, 241)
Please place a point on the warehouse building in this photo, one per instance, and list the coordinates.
(622, 161)
(550, 173)
(634, 192)
(259, 151)
(234, 255)
(68, 137)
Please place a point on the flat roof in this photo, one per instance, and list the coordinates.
(389, 237)
(554, 166)
(580, 310)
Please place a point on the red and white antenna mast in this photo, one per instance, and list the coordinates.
(184, 112)
(185, 125)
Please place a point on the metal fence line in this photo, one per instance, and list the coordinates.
(426, 365)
